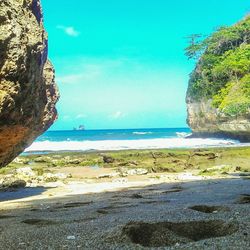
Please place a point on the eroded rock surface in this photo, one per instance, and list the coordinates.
(205, 120)
(28, 92)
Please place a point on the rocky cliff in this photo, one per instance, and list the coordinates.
(28, 92)
(218, 96)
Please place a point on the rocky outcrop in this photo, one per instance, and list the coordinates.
(28, 92)
(205, 120)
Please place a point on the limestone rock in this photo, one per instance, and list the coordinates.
(133, 171)
(205, 120)
(108, 159)
(11, 183)
(28, 92)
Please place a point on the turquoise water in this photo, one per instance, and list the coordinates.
(122, 139)
(111, 134)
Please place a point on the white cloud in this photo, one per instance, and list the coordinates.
(117, 115)
(80, 116)
(86, 74)
(70, 31)
(89, 70)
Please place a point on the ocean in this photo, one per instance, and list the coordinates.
(122, 139)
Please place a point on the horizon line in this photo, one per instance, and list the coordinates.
(116, 129)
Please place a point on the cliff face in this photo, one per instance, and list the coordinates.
(205, 120)
(218, 96)
(28, 92)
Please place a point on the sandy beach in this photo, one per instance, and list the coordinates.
(95, 208)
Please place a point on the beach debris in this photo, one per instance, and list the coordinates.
(71, 237)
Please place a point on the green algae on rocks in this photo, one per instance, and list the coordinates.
(204, 161)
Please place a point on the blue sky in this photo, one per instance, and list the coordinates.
(121, 64)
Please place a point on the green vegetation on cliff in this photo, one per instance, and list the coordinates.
(222, 72)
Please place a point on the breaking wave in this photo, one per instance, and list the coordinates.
(142, 133)
(161, 143)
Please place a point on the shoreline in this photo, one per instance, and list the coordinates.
(241, 137)
(236, 146)
(138, 144)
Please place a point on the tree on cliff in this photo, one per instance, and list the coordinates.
(222, 72)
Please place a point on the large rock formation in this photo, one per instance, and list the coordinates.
(218, 96)
(28, 92)
(205, 120)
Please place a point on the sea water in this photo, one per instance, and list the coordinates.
(121, 139)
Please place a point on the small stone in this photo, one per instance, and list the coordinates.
(108, 159)
(71, 237)
(120, 180)
(238, 168)
(141, 171)
(108, 175)
(17, 184)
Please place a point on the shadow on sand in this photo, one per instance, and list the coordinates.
(14, 194)
(197, 215)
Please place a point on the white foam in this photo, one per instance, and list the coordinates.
(142, 133)
(129, 144)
